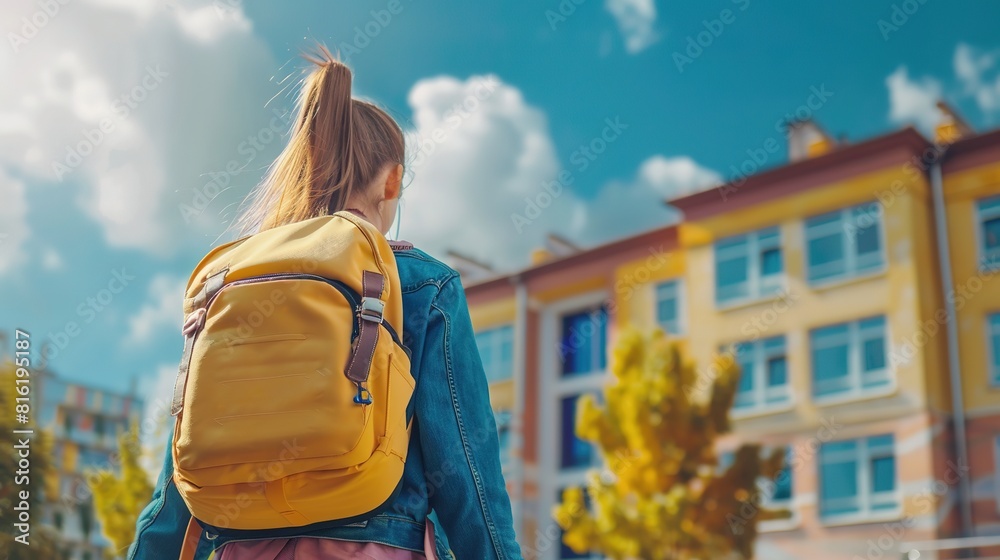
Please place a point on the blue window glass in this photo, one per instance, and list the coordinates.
(575, 452)
(849, 357)
(770, 262)
(777, 371)
(748, 265)
(843, 467)
(839, 478)
(668, 306)
(994, 326)
(583, 346)
(845, 242)
(496, 349)
(989, 231)
(763, 373)
(783, 481)
(503, 433)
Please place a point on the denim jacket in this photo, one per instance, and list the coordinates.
(452, 472)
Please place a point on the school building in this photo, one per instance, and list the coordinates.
(857, 287)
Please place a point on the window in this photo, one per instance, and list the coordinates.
(496, 348)
(668, 306)
(989, 232)
(764, 373)
(575, 452)
(584, 340)
(857, 477)
(748, 266)
(777, 492)
(845, 243)
(994, 334)
(503, 418)
(849, 357)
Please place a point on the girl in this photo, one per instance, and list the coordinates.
(348, 154)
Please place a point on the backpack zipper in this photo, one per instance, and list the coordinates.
(353, 297)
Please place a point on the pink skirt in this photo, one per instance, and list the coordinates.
(316, 548)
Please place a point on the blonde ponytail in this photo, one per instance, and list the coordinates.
(338, 144)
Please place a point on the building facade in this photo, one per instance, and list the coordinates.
(85, 423)
(824, 278)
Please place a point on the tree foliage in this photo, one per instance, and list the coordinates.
(121, 494)
(43, 544)
(663, 495)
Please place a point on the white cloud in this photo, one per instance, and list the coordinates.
(137, 68)
(51, 259)
(636, 21)
(477, 150)
(13, 223)
(624, 208)
(913, 101)
(162, 310)
(492, 152)
(156, 390)
(972, 67)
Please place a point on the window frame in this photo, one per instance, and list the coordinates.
(993, 350)
(848, 244)
(496, 337)
(598, 350)
(987, 261)
(765, 398)
(757, 286)
(679, 322)
(867, 500)
(554, 386)
(855, 378)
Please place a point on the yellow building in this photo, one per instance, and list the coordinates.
(823, 277)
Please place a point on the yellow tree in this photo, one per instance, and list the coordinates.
(120, 496)
(22, 493)
(663, 496)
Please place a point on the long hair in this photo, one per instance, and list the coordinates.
(337, 146)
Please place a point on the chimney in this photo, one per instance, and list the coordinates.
(951, 127)
(467, 267)
(555, 246)
(806, 140)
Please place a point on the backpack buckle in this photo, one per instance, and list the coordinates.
(371, 309)
(364, 396)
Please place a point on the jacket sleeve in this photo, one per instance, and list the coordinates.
(160, 529)
(458, 435)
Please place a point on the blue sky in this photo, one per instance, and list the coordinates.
(95, 247)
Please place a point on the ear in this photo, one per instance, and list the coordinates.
(393, 183)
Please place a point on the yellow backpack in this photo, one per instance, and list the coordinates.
(291, 395)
